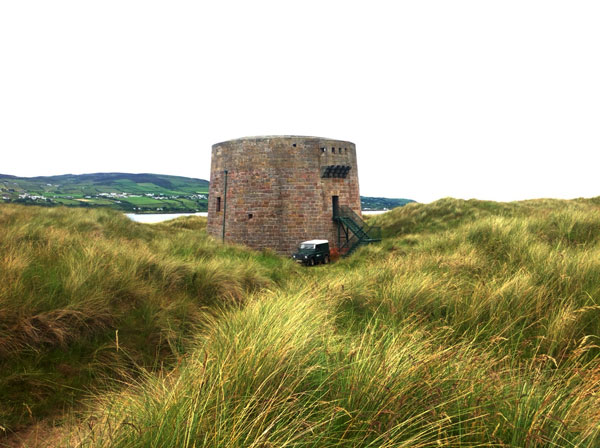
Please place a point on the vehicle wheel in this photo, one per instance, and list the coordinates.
(311, 262)
(326, 260)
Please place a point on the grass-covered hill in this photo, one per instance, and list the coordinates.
(371, 203)
(121, 191)
(472, 324)
(88, 297)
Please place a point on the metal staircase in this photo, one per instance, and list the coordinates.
(353, 232)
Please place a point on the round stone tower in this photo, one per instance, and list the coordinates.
(277, 191)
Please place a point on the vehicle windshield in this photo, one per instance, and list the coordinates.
(306, 247)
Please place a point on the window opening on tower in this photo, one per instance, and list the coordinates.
(339, 171)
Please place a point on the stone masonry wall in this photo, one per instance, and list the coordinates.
(276, 197)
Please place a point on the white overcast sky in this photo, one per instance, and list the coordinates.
(472, 99)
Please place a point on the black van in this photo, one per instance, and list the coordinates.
(312, 252)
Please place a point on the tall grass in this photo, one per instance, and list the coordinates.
(476, 330)
(472, 324)
(531, 276)
(87, 295)
(278, 373)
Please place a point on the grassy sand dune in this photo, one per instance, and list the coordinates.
(473, 323)
(89, 296)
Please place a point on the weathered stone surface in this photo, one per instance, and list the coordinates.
(276, 197)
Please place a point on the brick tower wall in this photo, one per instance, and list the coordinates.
(276, 197)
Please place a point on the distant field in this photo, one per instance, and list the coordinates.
(143, 201)
(64, 201)
(97, 201)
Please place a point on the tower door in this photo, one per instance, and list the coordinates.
(335, 205)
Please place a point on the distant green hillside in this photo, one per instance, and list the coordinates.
(368, 203)
(140, 193)
(122, 191)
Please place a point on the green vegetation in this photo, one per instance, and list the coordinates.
(140, 193)
(88, 296)
(368, 203)
(473, 323)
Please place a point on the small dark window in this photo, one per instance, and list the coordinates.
(345, 150)
(218, 203)
(333, 150)
(322, 149)
(250, 215)
(294, 145)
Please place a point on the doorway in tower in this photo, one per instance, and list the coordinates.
(335, 205)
